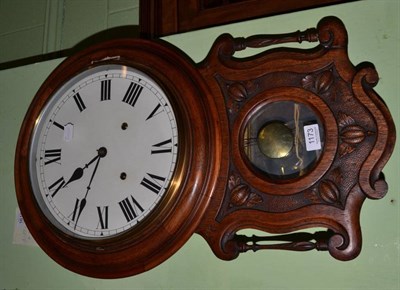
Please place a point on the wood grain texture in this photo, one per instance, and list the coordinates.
(359, 139)
(216, 191)
(180, 211)
(164, 17)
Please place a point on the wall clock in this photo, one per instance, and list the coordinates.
(129, 148)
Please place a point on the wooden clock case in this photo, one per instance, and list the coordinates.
(174, 220)
(218, 192)
(359, 139)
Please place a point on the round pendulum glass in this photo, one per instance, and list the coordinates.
(283, 140)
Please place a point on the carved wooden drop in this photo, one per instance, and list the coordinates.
(359, 138)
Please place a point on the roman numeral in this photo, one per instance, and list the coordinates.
(132, 94)
(162, 147)
(155, 112)
(153, 183)
(57, 186)
(75, 212)
(130, 209)
(79, 102)
(52, 155)
(105, 90)
(103, 217)
(57, 125)
(78, 208)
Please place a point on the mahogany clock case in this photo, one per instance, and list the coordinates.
(228, 177)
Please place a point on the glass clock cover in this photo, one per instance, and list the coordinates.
(283, 140)
(95, 175)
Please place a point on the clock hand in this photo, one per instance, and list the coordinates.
(78, 173)
(101, 153)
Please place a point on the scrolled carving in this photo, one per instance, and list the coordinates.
(332, 33)
(241, 194)
(358, 139)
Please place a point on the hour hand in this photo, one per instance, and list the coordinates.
(78, 173)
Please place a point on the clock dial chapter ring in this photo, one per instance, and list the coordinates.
(164, 229)
(269, 136)
(119, 205)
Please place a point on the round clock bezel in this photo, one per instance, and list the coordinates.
(166, 229)
(39, 126)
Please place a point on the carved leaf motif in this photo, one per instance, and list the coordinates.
(241, 194)
(254, 199)
(345, 120)
(237, 92)
(328, 191)
(233, 181)
(320, 83)
(308, 82)
(345, 148)
(353, 134)
(324, 81)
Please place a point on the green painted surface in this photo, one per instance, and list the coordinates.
(374, 34)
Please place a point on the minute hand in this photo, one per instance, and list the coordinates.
(102, 152)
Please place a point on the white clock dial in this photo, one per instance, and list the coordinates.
(104, 151)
